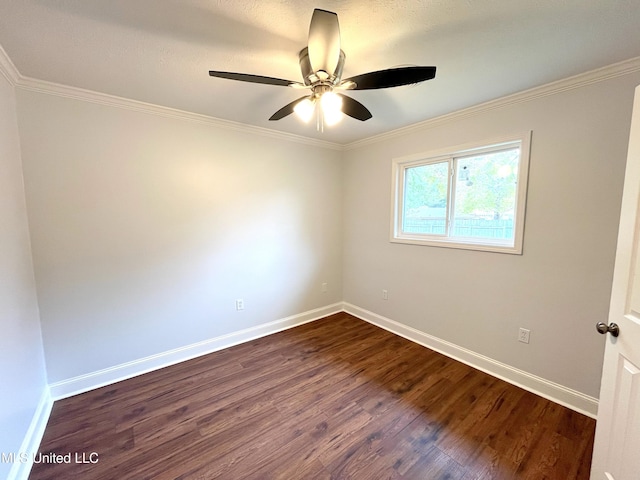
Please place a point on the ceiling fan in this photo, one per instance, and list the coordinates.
(321, 63)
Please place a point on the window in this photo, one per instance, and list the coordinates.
(470, 197)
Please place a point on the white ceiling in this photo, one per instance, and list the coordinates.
(160, 51)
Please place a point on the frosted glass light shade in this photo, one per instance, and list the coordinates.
(304, 109)
(331, 104)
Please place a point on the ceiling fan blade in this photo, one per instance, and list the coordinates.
(247, 77)
(286, 110)
(354, 108)
(392, 77)
(324, 41)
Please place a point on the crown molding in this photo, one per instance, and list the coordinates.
(8, 69)
(619, 69)
(56, 89)
(11, 73)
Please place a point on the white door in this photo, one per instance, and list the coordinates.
(616, 453)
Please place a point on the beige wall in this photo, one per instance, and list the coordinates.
(146, 229)
(559, 288)
(22, 369)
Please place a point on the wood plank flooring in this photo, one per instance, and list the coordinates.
(334, 399)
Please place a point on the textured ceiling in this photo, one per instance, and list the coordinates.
(160, 51)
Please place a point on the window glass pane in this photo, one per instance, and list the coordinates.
(485, 199)
(425, 199)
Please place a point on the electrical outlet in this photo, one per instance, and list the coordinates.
(239, 304)
(523, 335)
(324, 287)
(385, 295)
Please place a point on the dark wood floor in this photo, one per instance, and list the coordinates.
(337, 398)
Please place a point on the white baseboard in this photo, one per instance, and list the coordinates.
(567, 397)
(107, 376)
(560, 394)
(21, 469)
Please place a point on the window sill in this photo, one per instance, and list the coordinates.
(480, 245)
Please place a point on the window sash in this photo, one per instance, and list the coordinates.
(401, 234)
(401, 216)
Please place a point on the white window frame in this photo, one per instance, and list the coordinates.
(450, 155)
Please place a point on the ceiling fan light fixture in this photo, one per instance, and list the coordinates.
(304, 109)
(321, 65)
